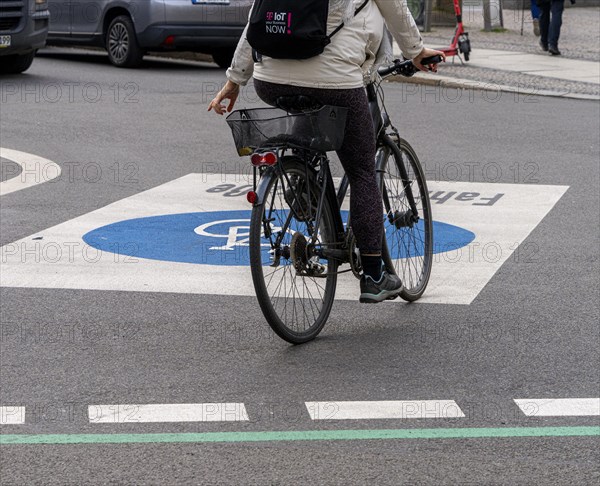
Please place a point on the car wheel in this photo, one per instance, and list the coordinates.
(16, 63)
(223, 57)
(121, 43)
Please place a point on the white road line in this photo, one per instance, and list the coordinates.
(34, 170)
(12, 415)
(168, 412)
(384, 409)
(559, 407)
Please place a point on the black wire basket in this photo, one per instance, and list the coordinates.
(319, 130)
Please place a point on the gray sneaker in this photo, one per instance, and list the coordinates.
(536, 27)
(387, 288)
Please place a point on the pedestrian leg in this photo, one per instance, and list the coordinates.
(544, 24)
(535, 17)
(555, 24)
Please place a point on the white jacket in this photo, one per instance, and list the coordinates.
(350, 57)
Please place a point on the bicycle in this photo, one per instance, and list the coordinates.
(297, 238)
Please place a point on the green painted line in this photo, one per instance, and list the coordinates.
(296, 435)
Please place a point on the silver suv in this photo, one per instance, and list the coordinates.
(127, 29)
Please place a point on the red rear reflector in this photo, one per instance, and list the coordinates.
(270, 158)
(256, 159)
(266, 158)
(169, 41)
(251, 197)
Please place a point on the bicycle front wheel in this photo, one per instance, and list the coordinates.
(408, 225)
(294, 285)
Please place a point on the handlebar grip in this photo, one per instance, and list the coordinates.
(407, 68)
(386, 70)
(426, 61)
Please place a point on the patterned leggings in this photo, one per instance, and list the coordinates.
(357, 155)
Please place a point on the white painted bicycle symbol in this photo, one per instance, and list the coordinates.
(237, 234)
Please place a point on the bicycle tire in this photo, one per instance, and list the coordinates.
(407, 248)
(296, 316)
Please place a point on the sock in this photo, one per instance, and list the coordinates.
(372, 266)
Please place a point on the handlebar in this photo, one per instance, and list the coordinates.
(407, 68)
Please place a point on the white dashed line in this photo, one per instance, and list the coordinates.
(559, 407)
(34, 170)
(385, 409)
(332, 410)
(165, 412)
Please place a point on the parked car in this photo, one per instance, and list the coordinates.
(23, 30)
(127, 29)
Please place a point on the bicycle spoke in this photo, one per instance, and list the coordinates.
(297, 301)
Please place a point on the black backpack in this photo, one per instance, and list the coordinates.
(290, 29)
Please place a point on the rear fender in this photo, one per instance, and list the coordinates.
(263, 185)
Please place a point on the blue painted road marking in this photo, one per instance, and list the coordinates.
(215, 238)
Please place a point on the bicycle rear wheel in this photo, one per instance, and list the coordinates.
(295, 288)
(408, 227)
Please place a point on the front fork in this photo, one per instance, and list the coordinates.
(397, 218)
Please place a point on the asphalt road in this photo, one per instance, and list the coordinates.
(531, 332)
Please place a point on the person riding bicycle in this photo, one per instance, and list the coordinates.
(337, 77)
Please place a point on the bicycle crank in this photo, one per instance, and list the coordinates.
(354, 255)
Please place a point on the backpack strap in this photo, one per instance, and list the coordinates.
(341, 26)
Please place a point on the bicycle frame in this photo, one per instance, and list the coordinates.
(325, 188)
(313, 160)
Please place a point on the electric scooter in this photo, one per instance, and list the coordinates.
(460, 42)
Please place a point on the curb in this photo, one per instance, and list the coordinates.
(458, 83)
(420, 79)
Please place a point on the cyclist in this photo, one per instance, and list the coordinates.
(337, 77)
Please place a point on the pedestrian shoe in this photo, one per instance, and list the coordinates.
(543, 46)
(536, 27)
(387, 288)
(553, 51)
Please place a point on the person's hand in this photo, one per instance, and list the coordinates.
(426, 52)
(229, 92)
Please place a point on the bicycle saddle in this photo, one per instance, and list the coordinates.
(297, 103)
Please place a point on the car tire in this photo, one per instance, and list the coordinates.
(223, 57)
(17, 63)
(121, 43)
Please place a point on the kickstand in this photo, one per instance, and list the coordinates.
(459, 58)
